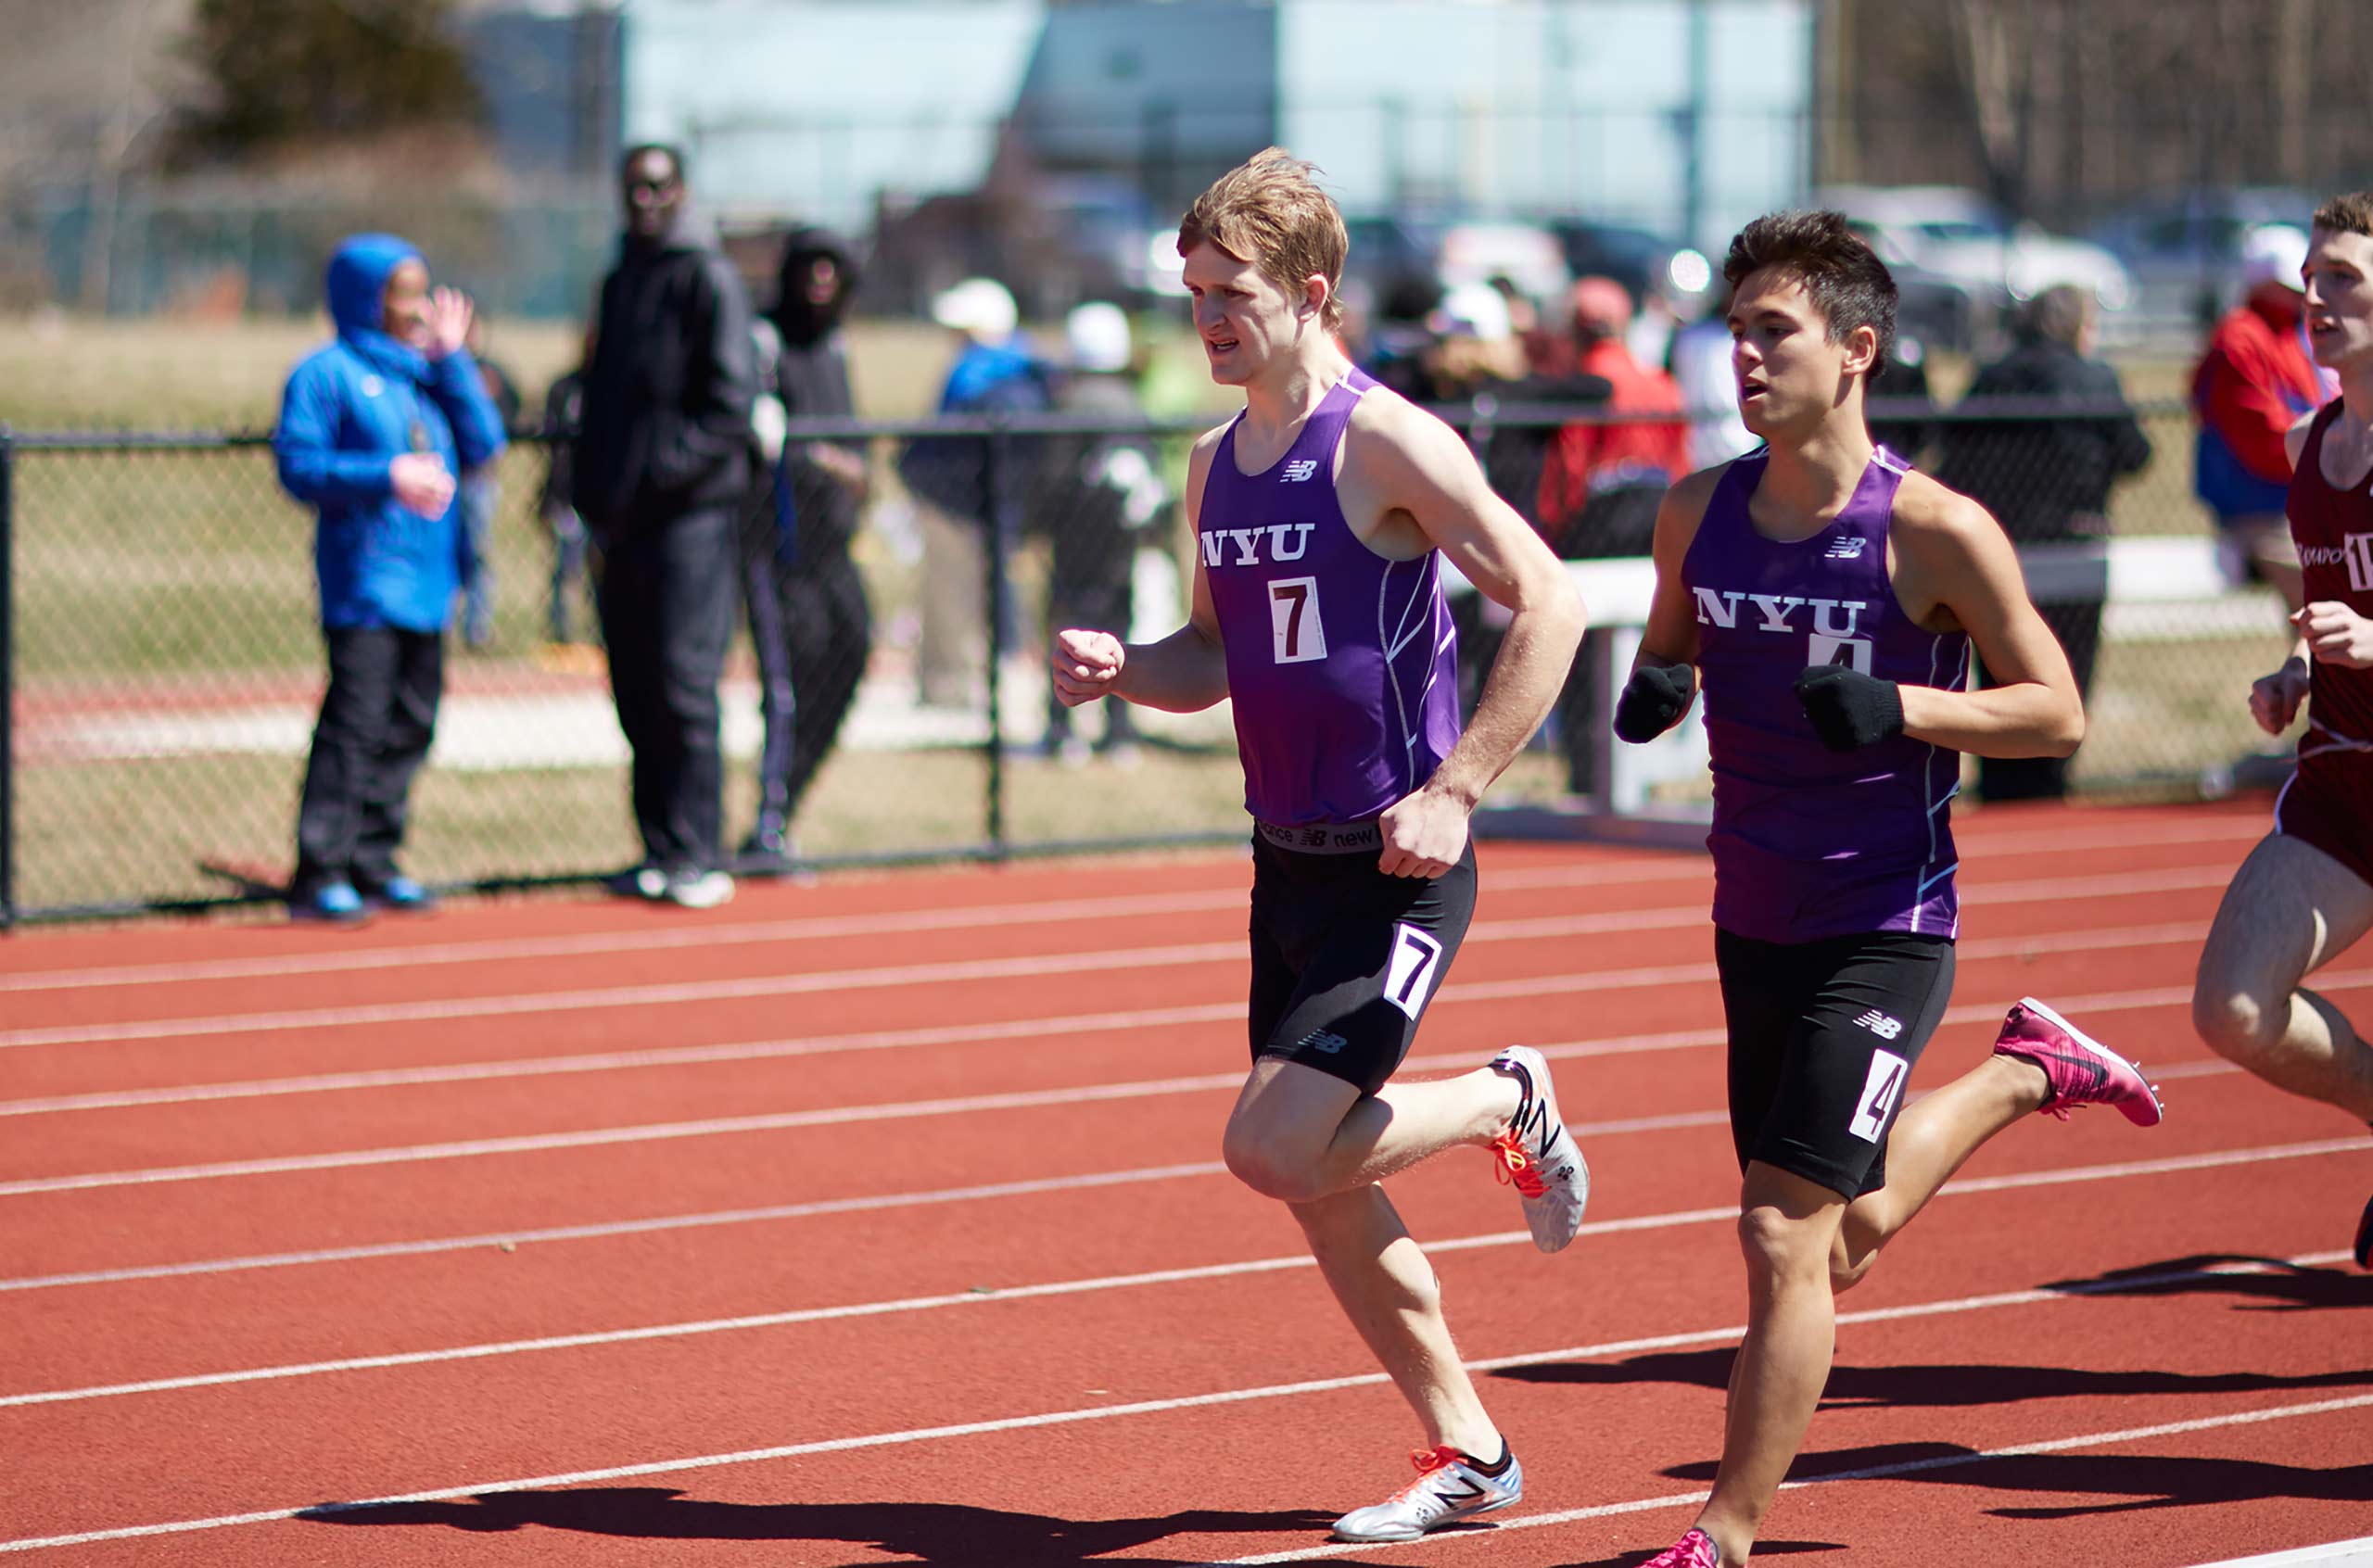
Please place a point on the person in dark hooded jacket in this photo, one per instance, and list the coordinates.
(809, 620)
(664, 460)
(373, 427)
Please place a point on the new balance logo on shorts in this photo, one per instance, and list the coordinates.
(1320, 1039)
(1878, 1023)
(1299, 470)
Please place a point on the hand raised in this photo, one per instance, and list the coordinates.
(449, 321)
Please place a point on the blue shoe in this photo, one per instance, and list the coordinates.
(401, 895)
(335, 902)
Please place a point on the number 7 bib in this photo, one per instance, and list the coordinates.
(1296, 634)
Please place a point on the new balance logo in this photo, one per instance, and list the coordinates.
(1298, 471)
(1878, 1023)
(1322, 1041)
(1847, 549)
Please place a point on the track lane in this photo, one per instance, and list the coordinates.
(1194, 1337)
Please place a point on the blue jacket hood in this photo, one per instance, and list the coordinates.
(357, 287)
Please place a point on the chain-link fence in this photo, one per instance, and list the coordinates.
(167, 662)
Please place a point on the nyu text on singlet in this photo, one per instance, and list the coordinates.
(2333, 529)
(1809, 842)
(1341, 664)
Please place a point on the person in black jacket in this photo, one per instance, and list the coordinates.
(2047, 479)
(808, 604)
(665, 458)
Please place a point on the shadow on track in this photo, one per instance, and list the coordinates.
(933, 1533)
(2263, 1284)
(1942, 1386)
(2145, 1481)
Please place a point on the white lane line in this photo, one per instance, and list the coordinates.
(748, 932)
(1877, 1473)
(879, 1039)
(1663, 868)
(2122, 1171)
(2359, 1550)
(1242, 1396)
(600, 1230)
(2049, 890)
(540, 1142)
(606, 1229)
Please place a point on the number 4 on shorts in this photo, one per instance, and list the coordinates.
(1409, 976)
(1881, 1090)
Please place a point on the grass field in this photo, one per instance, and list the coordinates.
(147, 571)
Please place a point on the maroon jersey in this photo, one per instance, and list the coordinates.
(2333, 529)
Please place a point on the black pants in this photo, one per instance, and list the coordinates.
(1620, 522)
(1090, 584)
(763, 593)
(376, 721)
(2079, 626)
(667, 602)
(828, 628)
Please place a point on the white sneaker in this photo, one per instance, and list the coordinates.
(699, 890)
(1539, 1155)
(1448, 1488)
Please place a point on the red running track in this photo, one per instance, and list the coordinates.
(880, 1221)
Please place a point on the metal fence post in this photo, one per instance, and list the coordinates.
(999, 517)
(8, 680)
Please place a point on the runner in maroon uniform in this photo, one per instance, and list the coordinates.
(2305, 893)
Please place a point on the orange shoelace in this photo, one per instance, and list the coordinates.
(1511, 1164)
(1428, 1460)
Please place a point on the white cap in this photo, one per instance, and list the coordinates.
(2274, 253)
(981, 307)
(1476, 309)
(1098, 335)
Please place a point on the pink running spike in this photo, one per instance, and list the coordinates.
(2082, 1071)
(1695, 1550)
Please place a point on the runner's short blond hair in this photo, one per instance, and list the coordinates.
(1269, 210)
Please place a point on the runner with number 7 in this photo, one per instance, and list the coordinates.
(1829, 600)
(1322, 512)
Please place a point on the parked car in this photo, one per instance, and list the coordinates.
(1931, 308)
(1448, 250)
(2184, 251)
(1641, 260)
(1958, 235)
(1054, 241)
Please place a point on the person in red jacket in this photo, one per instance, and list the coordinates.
(1600, 489)
(2253, 384)
(1603, 483)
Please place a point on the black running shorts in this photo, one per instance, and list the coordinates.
(1824, 1038)
(1345, 958)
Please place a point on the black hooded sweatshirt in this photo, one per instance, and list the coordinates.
(813, 378)
(667, 396)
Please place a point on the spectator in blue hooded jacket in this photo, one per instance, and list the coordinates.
(373, 427)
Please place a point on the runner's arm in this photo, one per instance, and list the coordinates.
(1953, 563)
(1413, 462)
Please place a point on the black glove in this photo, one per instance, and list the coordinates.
(1652, 700)
(1849, 709)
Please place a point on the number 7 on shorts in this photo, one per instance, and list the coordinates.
(1410, 974)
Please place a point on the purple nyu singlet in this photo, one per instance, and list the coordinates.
(1341, 664)
(1809, 842)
